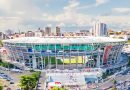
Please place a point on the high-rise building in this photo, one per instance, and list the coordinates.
(99, 29)
(58, 32)
(48, 31)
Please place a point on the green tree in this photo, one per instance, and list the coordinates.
(104, 75)
(114, 84)
(36, 75)
(0, 60)
(6, 64)
(129, 41)
(113, 88)
(128, 63)
(32, 82)
(1, 44)
(1, 85)
(27, 82)
(58, 88)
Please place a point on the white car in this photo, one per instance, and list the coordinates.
(16, 70)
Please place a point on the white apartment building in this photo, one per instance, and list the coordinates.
(99, 29)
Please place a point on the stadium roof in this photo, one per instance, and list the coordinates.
(64, 40)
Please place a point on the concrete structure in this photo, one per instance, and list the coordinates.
(3, 36)
(38, 34)
(84, 32)
(47, 31)
(58, 32)
(29, 34)
(99, 29)
(64, 52)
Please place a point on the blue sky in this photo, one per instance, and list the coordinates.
(70, 15)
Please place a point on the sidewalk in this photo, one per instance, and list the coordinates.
(41, 81)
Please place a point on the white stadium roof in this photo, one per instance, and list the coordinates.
(64, 40)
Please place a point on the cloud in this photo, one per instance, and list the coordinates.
(100, 2)
(97, 3)
(7, 22)
(72, 4)
(61, 24)
(5, 5)
(121, 10)
(117, 22)
(49, 25)
(15, 13)
(20, 12)
(26, 13)
(114, 19)
(69, 18)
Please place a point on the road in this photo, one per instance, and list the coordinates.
(109, 82)
(41, 81)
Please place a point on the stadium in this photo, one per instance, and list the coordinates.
(69, 55)
(64, 52)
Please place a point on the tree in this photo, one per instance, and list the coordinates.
(24, 82)
(114, 84)
(104, 75)
(6, 64)
(113, 88)
(1, 44)
(32, 82)
(129, 41)
(29, 82)
(57, 88)
(1, 85)
(36, 75)
(128, 63)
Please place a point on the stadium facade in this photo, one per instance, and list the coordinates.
(64, 52)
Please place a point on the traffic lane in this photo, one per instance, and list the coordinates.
(110, 83)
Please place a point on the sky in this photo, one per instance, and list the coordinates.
(70, 15)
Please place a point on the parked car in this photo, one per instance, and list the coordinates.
(16, 70)
(11, 82)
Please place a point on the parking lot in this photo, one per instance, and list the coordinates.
(11, 78)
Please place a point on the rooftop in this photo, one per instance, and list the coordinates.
(64, 40)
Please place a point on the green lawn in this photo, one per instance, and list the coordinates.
(53, 60)
(129, 41)
(66, 61)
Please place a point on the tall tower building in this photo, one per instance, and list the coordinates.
(48, 31)
(58, 32)
(99, 29)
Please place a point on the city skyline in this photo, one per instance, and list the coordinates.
(68, 14)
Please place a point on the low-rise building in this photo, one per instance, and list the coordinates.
(29, 34)
(3, 36)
